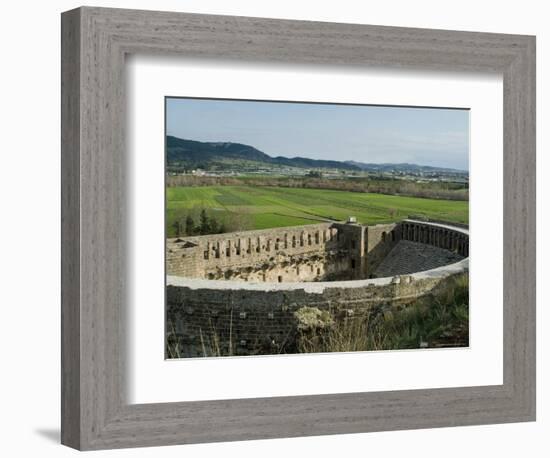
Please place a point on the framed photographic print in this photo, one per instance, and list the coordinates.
(336, 220)
(329, 247)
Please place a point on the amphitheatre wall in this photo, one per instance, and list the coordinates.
(318, 252)
(301, 253)
(208, 301)
(254, 318)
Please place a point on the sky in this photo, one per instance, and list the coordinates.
(375, 134)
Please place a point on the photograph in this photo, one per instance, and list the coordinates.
(246, 226)
(305, 227)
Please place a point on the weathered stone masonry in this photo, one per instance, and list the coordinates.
(301, 253)
(319, 252)
(253, 317)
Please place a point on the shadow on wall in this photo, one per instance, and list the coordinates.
(380, 242)
(53, 434)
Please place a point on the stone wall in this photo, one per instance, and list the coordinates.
(445, 236)
(287, 271)
(380, 240)
(219, 318)
(302, 253)
(318, 252)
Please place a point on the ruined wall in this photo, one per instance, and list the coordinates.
(352, 240)
(318, 252)
(215, 318)
(445, 236)
(380, 240)
(302, 253)
(218, 318)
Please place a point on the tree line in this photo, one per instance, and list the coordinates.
(205, 225)
(379, 185)
(198, 221)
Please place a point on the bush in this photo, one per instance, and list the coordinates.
(439, 320)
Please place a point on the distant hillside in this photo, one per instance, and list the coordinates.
(182, 153)
(190, 153)
(402, 167)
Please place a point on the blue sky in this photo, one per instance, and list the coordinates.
(426, 136)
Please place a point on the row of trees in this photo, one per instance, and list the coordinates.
(432, 190)
(205, 225)
(201, 221)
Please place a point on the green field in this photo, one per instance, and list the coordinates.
(262, 207)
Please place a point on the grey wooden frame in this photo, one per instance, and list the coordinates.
(95, 413)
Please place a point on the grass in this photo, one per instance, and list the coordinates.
(210, 341)
(267, 207)
(438, 321)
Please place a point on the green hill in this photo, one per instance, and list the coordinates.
(182, 153)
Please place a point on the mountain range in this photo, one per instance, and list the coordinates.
(183, 153)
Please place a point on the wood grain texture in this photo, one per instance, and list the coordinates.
(70, 229)
(95, 410)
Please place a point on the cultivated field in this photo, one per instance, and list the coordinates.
(253, 207)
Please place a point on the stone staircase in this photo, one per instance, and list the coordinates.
(408, 257)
